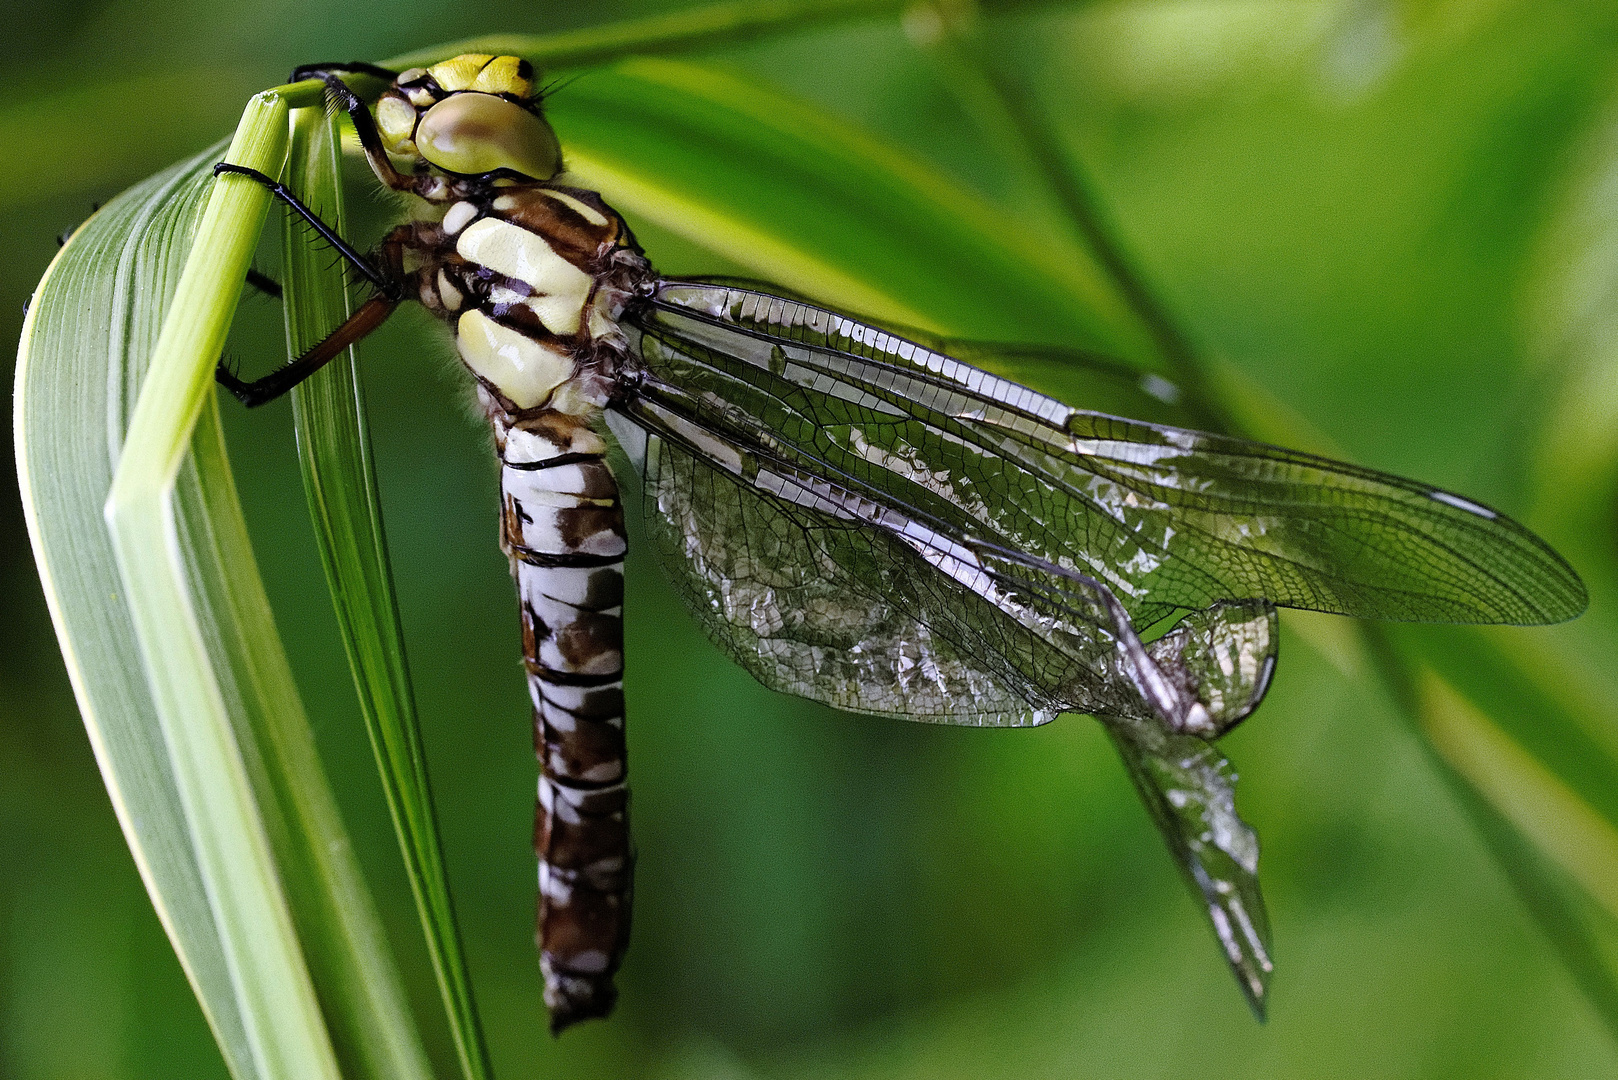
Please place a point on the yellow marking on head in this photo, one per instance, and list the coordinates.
(396, 123)
(485, 74)
(458, 73)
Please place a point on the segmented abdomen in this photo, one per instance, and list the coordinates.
(562, 525)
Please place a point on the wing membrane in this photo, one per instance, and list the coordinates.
(1188, 786)
(807, 605)
(828, 586)
(1164, 517)
(866, 521)
(824, 594)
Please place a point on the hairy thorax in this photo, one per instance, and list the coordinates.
(532, 278)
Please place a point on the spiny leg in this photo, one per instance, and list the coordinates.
(304, 72)
(371, 139)
(366, 318)
(388, 287)
(264, 283)
(370, 315)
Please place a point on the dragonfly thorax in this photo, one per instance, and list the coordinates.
(532, 275)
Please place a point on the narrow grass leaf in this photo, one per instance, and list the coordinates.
(84, 347)
(1558, 848)
(815, 205)
(280, 1011)
(714, 24)
(210, 762)
(334, 451)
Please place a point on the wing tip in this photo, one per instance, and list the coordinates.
(1575, 600)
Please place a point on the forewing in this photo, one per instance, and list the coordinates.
(1101, 383)
(1164, 517)
(840, 591)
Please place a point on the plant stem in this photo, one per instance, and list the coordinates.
(716, 24)
(1012, 121)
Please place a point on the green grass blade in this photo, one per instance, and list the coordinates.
(714, 24)
(804, 200)
(364, 999)
(1582, 932)
(75, 382)
(1536, 772)
(279, 1008)
(344, 946)
(211, 765)
(334, 451)
(1541, 805)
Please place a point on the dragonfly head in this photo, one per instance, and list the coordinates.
(475, 115)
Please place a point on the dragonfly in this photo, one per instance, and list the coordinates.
(859, 513)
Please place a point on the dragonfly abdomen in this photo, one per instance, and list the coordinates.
(563, 528)
(532, 278)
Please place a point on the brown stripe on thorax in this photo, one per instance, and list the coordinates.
(550, 213)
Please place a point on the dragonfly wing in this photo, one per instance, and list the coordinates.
(871, 605)
(1100, 382)
(1221, 657)
(806, 604)
(1164, 517)
(862, 521)
(1188, 786)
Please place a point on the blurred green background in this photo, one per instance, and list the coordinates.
(1399, 220)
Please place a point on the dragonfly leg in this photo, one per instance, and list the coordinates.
(366, 318)
(371, 139)
(264, 283)
(304, 72)
(385, 285)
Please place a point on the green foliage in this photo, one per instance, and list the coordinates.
(1350, 226)
(215, 776)
(334, 451)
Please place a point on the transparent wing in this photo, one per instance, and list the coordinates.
(1100, 382)
(809, 606)
(847, 594)
(1189, 788)
(1164, 518)
(822, 594)
(895, 532)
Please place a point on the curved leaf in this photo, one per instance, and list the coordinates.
(93, 328)
(804, 200)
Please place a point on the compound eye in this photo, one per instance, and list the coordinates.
(473, 133)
